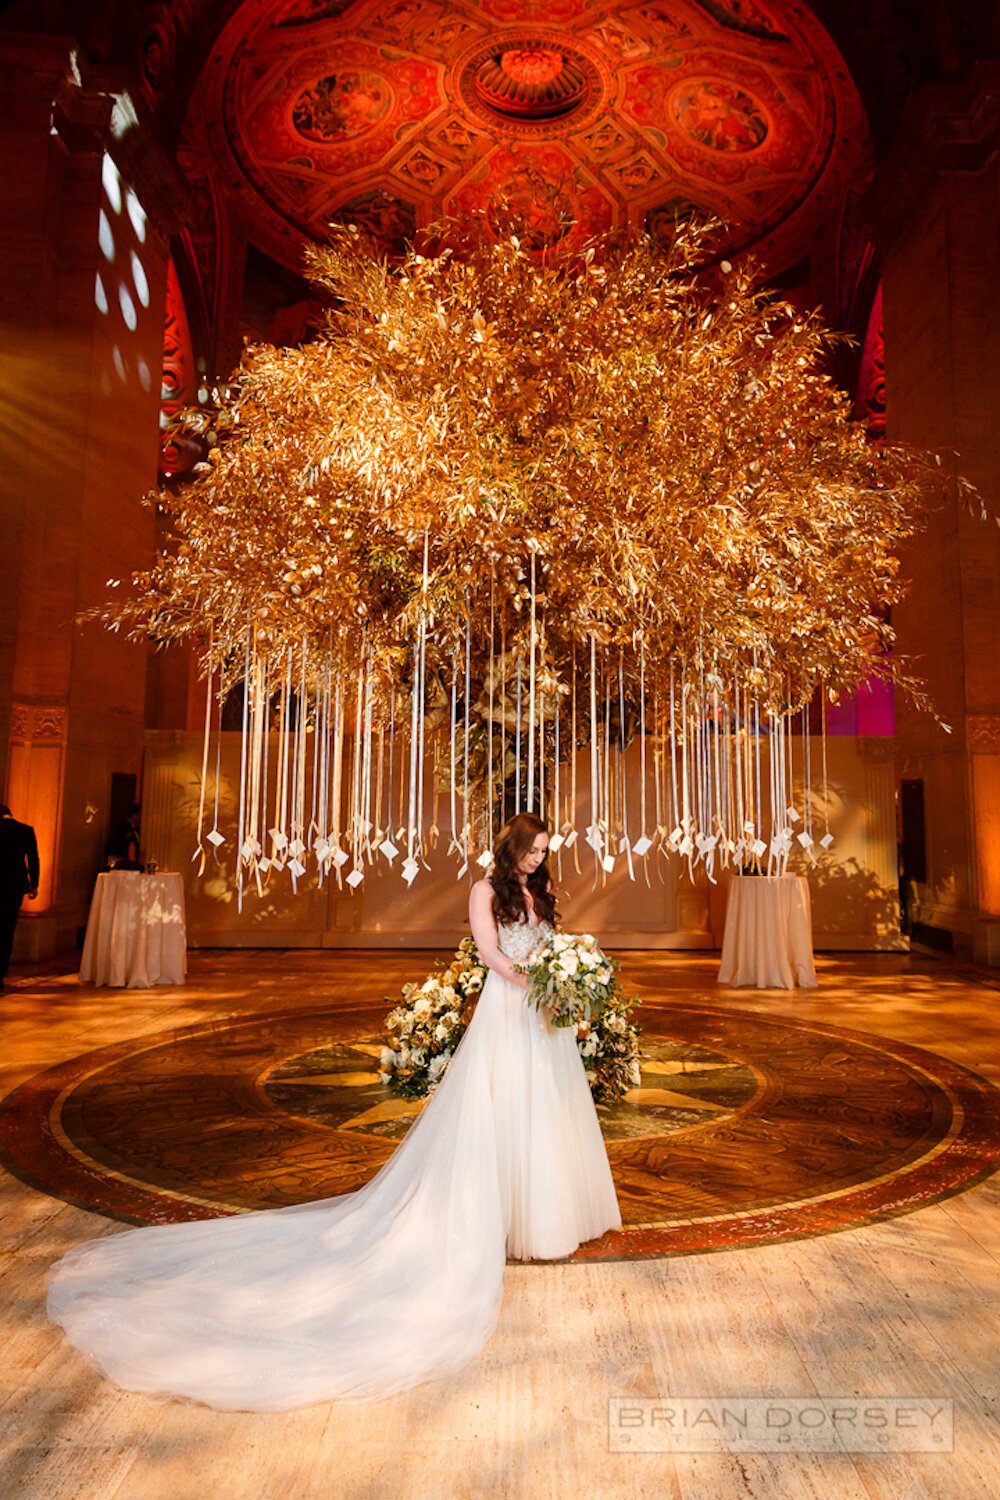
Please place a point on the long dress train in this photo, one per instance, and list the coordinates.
(360, 1296)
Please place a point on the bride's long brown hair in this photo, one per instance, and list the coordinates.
(508, 898)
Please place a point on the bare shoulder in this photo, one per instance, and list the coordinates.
(481, 889)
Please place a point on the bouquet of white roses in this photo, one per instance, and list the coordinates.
(571, 978)
(578, 985)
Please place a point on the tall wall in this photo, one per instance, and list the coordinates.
(81, 307)
(936, 209)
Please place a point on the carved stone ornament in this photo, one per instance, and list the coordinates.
(49, 723)
(982, 732)
(876, 749)
(38, 722)
(162, 741)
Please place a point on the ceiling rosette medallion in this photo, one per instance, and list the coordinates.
(530, 82)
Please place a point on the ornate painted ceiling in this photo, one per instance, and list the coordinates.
(392, 112)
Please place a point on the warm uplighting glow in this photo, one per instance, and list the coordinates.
(986, 788)
(34, 784)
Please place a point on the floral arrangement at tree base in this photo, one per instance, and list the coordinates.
(425, 1027)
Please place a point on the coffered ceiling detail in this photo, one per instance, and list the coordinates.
(394, 112)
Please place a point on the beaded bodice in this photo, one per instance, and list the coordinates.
(519, 940)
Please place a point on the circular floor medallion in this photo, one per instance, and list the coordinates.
(746, 1129)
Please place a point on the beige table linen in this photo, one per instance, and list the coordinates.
(136, 935)
(767, 941)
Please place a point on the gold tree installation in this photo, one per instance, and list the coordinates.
(505, 505)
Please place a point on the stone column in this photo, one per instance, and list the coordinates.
(81, 304)
(936, 217)
(983, 741)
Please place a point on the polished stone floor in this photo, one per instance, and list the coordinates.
(831, 1147)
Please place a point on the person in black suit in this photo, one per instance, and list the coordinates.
(122, 848)
(18, 878)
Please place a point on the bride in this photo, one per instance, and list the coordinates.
(363, 1295)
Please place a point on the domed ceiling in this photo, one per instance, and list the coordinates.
(392, 112)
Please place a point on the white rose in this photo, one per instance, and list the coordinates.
(441, 1032)
(418, 1057)
(388, 1057)
(429, 986)
(569, 963)
(422, 1009)
(588, 959)
(438, 1065)
(450, 1018)
(405, 1025)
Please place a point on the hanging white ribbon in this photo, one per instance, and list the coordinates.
(532, 642)
(200, 850)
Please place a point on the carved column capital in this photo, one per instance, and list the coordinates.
(20, 721)
(982, 732)
(946, 127)
(39, 721)
(49, 722)
(876, 749)
(162, 741)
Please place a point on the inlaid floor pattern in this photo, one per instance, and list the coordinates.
(846, 1135)
(744, 1129)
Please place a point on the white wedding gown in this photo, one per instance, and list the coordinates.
(363, 1295)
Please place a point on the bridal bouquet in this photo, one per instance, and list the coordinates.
(424, 1028)
(579, 986)
(571, 978)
